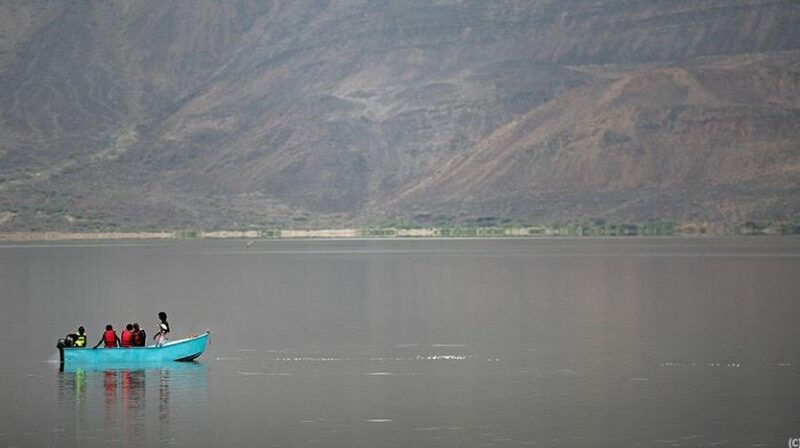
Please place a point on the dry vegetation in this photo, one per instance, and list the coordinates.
(141, 115)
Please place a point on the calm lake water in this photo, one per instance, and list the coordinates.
(437, 343)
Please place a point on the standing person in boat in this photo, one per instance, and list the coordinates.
(109, 338)
(163, 330)
(126, 341)
(139, 336)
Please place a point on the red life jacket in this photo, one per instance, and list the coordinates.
(126, 339)
(110, 339)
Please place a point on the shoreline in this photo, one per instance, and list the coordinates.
(574, 231)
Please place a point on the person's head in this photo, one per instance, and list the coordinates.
(109, 327)
(81, 330)
(162, 315)
(136, 326)
(129, 327)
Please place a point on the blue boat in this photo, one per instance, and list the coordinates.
(180, 350)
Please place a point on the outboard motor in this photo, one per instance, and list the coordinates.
(60, 346)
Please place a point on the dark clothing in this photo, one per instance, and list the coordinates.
(139, 338)
(69, 341)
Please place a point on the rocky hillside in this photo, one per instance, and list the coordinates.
(227, 114)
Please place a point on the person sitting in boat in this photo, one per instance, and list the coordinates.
(79, 340)
(76, 339)
(163, 330)
(139, 336)
(110, 338)
(126, 340)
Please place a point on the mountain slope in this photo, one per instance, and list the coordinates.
(684, 142)
(237, 113)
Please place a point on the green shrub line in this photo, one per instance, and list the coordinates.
(404, 229)
(596, 228)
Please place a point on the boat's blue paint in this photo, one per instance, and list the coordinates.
(177, 367)
(181, 350)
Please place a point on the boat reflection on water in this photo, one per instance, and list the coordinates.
(133, 404)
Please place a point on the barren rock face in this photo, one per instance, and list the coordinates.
(227, 114)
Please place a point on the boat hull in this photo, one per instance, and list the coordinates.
(180, 350)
